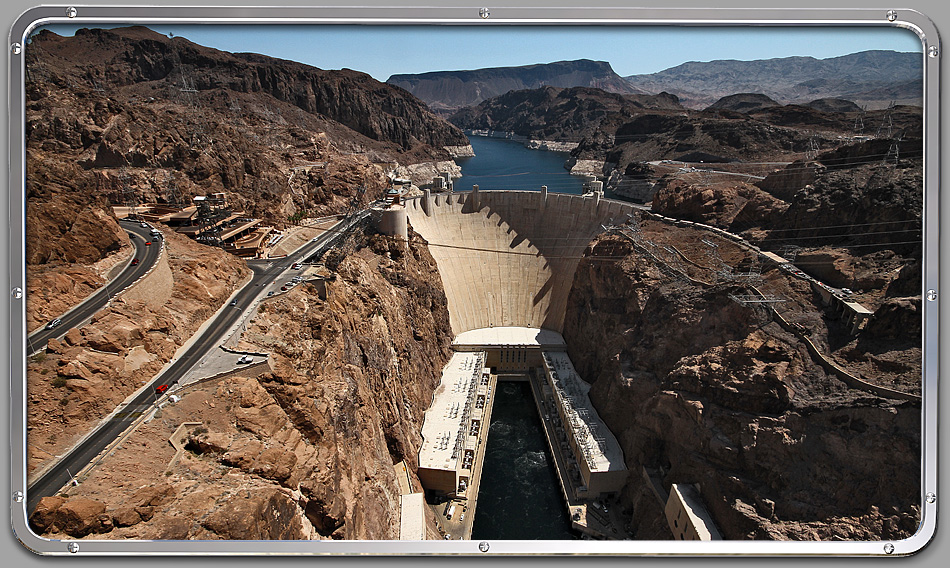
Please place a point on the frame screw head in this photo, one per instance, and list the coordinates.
(891, 15)
(73, 547)
(17, 293)
(931, 497)
(931, 295)
(484, 13)
(483, 546)
(71, 12)
(18, 496)
(16, 48)
(888, 548)
(933, 51)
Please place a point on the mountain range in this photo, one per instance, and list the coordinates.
(450, 90)
(872, 79)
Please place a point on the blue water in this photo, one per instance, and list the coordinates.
(507, 164)
(520, 495)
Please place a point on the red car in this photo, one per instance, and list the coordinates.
(135, 261)
(148, 243)
(160, 389)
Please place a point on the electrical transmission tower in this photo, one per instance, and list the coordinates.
(813, 148)
(894, 150)
(172, 194)
(129, 199)
(887, 123)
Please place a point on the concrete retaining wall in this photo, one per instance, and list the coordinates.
(155, 288)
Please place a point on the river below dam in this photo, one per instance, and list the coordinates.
(500, 163)
(520, 495)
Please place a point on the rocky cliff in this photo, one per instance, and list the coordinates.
(129, 114)
(560, 114)
(305, 450)
(701, 389)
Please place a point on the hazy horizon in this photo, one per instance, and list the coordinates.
(383, 51)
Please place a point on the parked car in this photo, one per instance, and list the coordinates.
(271, 293)
(245, 359)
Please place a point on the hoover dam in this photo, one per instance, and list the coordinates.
(507, 258)
(507, 261)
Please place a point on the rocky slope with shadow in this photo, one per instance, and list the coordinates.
(704, 390)
(304, 450)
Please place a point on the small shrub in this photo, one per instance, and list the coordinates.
(59, 382)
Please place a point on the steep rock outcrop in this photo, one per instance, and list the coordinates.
(699, 389)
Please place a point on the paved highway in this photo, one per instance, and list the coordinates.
(265, 272)
(81, 313)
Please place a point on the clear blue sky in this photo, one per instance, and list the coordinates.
(382, 51)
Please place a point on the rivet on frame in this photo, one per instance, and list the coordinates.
(888, 548)
(931, 295)
(891, 15)
(484, 13)
(16, 48)
(933, 51)
(931, 497)
(17, 293)
(71, 12)
(73, 547)
(18, 496)
(483, 546)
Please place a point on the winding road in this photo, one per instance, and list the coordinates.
(265, 273)
(83, 312)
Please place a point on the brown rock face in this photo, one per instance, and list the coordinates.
(700, 389)
(79, 516)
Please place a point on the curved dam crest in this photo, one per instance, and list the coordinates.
(507, 258)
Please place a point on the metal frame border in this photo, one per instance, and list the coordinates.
(810, 17)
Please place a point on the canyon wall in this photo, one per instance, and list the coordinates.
(702, 389)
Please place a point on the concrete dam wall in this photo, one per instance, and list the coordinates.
(507, 258)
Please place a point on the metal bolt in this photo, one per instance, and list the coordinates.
(931, 295)
(73, 547)
(891, 15)
(18, 496)
(483, 546)
(16, 48)
(484, 13)
(888, 548)
(933, 51)
(71, 13)
(931, 497)
(17, 293)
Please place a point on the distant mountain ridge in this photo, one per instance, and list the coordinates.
(873, 78)
(447, 90)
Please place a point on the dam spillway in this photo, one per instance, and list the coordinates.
(507, 258)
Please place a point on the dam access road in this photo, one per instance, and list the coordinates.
(69, 465)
